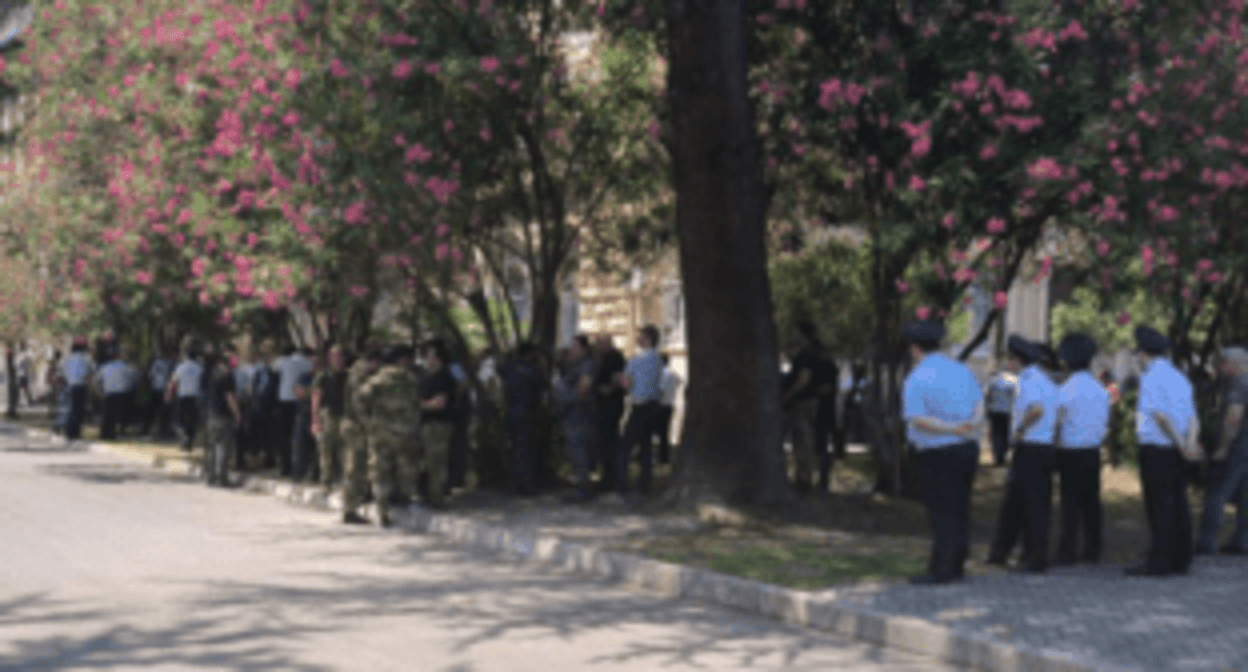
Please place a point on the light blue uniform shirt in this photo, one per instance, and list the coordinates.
(77, 369)
(943, 389)
(1001, 393)
(188, 376)
(159, 372)
(116, 377)
(1163, 388)
(242, 378)
(646, 370)
(1035, 387)
(1085, 405)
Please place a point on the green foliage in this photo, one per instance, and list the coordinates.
(829, 285)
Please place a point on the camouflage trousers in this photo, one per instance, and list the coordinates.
(219, 439)
(436, 437)
(393, 462)
(329, 445)
(354, 462)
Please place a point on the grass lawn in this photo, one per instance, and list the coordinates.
(850, 536)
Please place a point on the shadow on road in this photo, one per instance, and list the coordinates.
(112, 473)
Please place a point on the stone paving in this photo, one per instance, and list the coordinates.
(1196, 623)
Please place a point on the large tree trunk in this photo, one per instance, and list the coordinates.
(731, 450)
(11, 378)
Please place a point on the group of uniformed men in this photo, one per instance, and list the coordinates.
(1058, 426)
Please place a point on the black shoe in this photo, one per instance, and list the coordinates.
(1032, 568)
(399, 500)
(1145, 570)
(1232, 550)
(353, 518)
(1202, 550)
(383, 520)
(1064, 562)
(996, 560)
(1180, 571)
(930, 580)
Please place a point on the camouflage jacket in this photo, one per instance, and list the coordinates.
(392, 397)
(355, 407)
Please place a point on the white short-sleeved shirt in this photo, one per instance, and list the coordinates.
(290, 368)
(1035, 387)
(1163, 388)
(188, 375)
(1085, 405)
(1001, 393)
(943, 389)
(669, 381)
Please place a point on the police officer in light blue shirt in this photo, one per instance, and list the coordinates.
(943, 407)
(116, 383)
(77, 372)
(1165, 413)
(642, 378)
(186, 385)
(1029, 485)
(1082, 423)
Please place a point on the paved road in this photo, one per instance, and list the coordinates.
(106, 565)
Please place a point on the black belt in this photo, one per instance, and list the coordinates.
(1156, 446)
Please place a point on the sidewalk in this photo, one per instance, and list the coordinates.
(1070, 619)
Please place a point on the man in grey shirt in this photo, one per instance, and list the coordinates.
(1228, 465)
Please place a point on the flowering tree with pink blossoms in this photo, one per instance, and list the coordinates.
(1168, 168)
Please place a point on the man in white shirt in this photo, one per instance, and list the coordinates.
(1082, 423)
(669, 382)
(77, 372)
(1000, 395)
(184, 389)
(1165, 413)
(1029, 486)
(289, 369)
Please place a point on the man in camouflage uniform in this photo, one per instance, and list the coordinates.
(390, 395)
(353, 431)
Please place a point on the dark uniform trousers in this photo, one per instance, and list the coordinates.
(945, 478)
(1080, 470)
(637, 432)
(1028, 500)
(77, 411)
(1163, 474)
(1000, 425)
(607, 422)
(115, 406)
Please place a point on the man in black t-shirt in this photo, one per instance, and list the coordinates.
(609, 409)
(303, 444)
(437, 420)
(800, 403)
(223, 416)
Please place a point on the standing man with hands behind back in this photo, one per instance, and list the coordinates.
(943, 408)
(1165, 425)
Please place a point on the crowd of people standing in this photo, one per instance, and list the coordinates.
(1052, 417)
(388, 424)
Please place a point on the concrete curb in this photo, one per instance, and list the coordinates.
(802, 608)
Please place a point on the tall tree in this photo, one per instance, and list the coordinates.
(731, 448)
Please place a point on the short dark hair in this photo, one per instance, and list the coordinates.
(927, 346)
(582, 340)
(438, 347)
(526, 349)
(665, 358)
(651, 333)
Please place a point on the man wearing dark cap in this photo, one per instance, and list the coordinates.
(1082, 423)
(1165, 414)
(943, 408)
(1029, 486)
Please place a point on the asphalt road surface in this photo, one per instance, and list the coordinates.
(105, 564)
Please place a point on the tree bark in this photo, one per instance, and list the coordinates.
(11, 378)
(732, 451)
